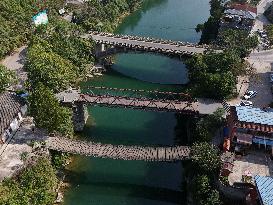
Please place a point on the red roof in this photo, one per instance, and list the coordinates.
(243, 7)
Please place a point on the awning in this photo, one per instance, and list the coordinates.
(259, 140)
(244, 138)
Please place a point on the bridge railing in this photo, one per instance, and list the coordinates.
(139, 94)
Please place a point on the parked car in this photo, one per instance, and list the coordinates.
(245, 103)
(250, 94)
(271, 77)
(272, 89)
(262, 33)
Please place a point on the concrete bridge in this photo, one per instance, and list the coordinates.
(122, 152)
(125, 43)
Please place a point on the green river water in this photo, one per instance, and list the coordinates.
(116, 182)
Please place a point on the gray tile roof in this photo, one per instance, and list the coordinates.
(10, 105)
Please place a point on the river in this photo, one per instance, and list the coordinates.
(116, 182)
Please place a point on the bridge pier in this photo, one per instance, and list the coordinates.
(70, 98)
(100, 47)
(80, 116)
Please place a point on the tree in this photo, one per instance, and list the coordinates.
(216, 8)
(49, 68)
(15, 16)
(206, 127)
(214, 75)
(211, 26)
(205, 157)
(47, 112)
(35, 185)
(203, 192)
(238, 41)
(7, 78)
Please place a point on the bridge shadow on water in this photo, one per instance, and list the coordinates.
(116, 189)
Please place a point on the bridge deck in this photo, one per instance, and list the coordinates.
(136, 103)
(152, 45)
(118, 151)
(185, 104)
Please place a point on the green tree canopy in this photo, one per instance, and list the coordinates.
(214, 75)
(15, 18)
(203, 192)
(238, 40)
(49, 68)
(103, 13)
(205, 128)
(7, 78)
(57, 56)
(205, 157)
(35, 185)
(47, 112)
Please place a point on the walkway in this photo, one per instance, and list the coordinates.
(148, 44)
(118, 151)
(184, 104)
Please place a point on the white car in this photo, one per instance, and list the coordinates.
(262, 33)
(250, 94)
(245, 103)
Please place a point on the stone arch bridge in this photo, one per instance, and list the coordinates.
(123, 152)
(126, 43)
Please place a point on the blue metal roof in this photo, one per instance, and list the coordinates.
(254, 115)
(265, 188)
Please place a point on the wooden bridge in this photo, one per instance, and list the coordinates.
(140, 99)
(122, 152)
(125, 43)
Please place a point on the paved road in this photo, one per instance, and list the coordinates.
(16, 63)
